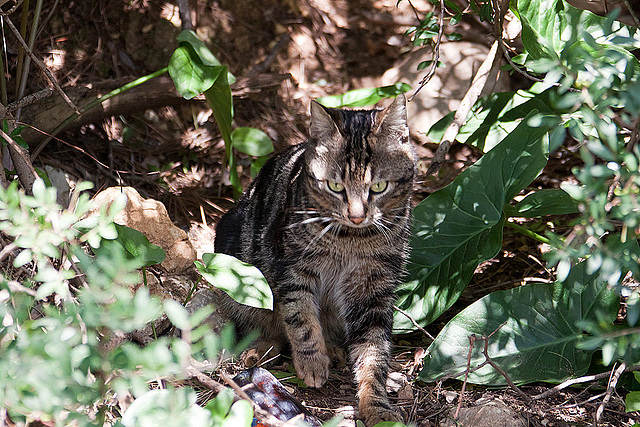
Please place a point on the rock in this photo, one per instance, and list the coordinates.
(492, 413)
(150, 217)
(447, 87)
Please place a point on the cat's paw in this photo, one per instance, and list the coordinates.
(372, 415)
(313, 369)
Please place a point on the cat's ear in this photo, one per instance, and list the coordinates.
(322, 126)
(392, 121)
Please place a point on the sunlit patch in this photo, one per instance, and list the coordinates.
(55, 60)
(171, 13)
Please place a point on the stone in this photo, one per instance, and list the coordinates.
(447, 87)
(150, 217)
(492, 413)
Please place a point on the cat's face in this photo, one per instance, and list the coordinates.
(361, 165)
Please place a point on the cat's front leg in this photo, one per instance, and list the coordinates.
(369, 324)
(300, 314)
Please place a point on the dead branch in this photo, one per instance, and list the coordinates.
(469, 99)
(412, 320)
(22, 163)
(17, 287)
(41, 65)
(472, 340)
(47, 114)
(13, 8)
(613, 381)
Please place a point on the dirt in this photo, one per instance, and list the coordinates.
(174, 154)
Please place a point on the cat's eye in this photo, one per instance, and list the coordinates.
(379, 187)
(336, 187)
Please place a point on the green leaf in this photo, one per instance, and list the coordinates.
(240, 415)
(177, 314)
(243, 282)
(632, 401)
(202, 51)
(167, 407)
(550, 26)
(219, 407)
(492, 118)
(257, 164)
(363, 97)
(189, 74)
(544, 202)
(251, 141)
(135, 246)
(219, 98)
(538, 341)
(459, 226)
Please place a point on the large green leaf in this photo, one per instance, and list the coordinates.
(459, 226)
(363, 97)
(538, 341)
(548, 25)
(492, 118)
(243, 282)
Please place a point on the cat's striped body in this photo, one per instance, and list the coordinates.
(327, 222)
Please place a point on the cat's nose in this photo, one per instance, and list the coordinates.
(357, 220)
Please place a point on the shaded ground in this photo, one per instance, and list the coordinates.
(174, 154)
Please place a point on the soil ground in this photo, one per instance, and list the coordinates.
(174, 154)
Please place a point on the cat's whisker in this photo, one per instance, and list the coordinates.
(307, 221)
(319, 236)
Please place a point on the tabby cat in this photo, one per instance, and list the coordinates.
(327, 222)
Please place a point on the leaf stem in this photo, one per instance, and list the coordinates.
(525, 231)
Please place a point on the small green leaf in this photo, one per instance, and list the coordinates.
(135, 246)
(220, 100)
(240, 415)
(632, 401)
(177, 314)
(363, 97)
(243, 282)
(203, 52)
(251, 141)
(219, 407)
(189, 74)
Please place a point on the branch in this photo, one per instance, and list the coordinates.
(21, 161)
(469, 99)
(615, 376)
(436, 50)
(41, 65)
(472, 340)
(412, 320)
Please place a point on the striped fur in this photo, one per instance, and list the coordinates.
(333, 258)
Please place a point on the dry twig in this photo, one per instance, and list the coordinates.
(412, 320)
(41, 65)
(21, 161)
(613, 381)
(436, 50)
(470, 98)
